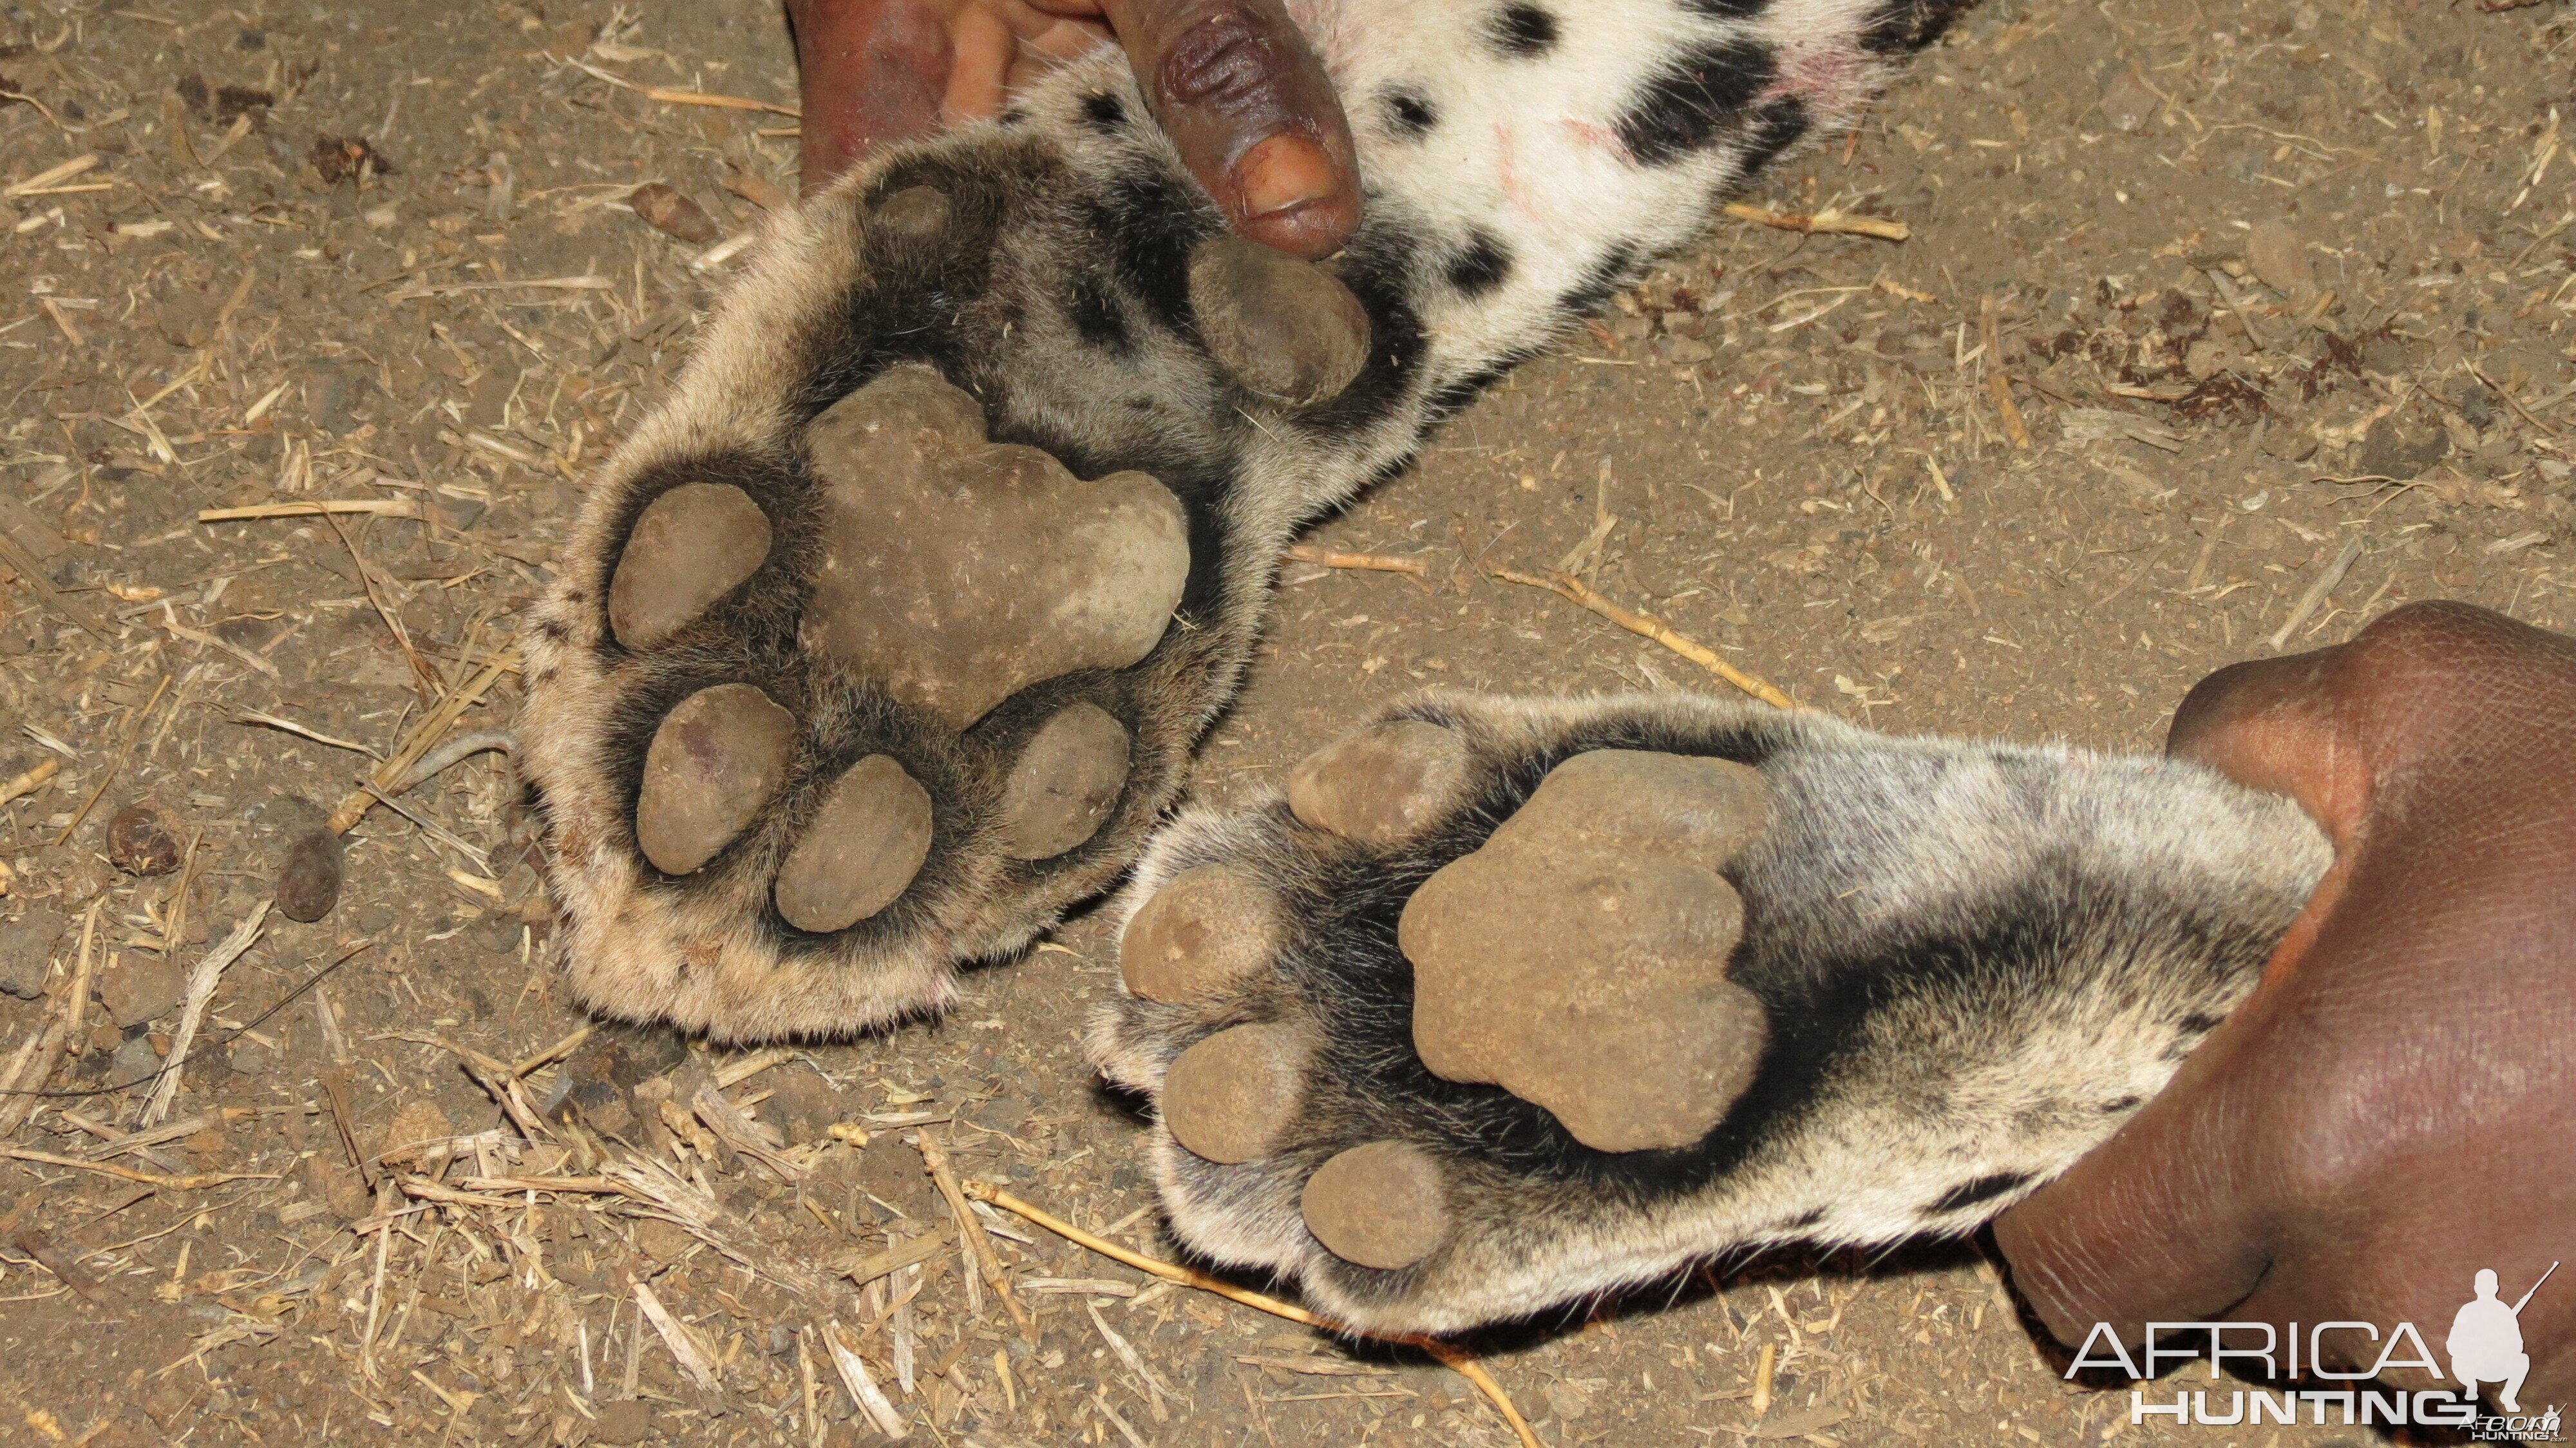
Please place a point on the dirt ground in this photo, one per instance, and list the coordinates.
(2284, 296)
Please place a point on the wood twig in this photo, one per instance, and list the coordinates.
(687, 98)
(1828, 222)
(1366, 562)
(2335, 569)
(977, 1241)
(31, 781)
(1456, 1359)
(32, 571)
(1575, 591)
(369, 507)
(28, 1074)
(1998, 381)
(201, 992)
(193, 1181)
(428, 732)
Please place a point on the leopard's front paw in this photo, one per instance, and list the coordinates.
(1505, 1004)
(853, 674)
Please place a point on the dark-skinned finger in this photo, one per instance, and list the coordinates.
(871, 71)
(1247, 103)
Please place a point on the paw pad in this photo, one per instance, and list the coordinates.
(1206, 931)
(1288, 330)
(1382, 785)
(712, 764)
(1231, 1097)
(861, 850)
(1578, 960)
(690, 547)
(957, 572)
(1068, 779)
(1381, 1205)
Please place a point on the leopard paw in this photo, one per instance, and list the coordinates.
(1506, 1003)
(886, 638)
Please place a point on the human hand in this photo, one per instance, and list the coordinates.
(1232, 82)
(2389, 1112)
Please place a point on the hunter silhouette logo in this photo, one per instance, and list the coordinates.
(2484, 1347)
(2486, 1341)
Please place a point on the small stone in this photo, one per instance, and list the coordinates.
(142, 841)
(27, 949)
(1207, 930)
(135, 1060)
(859, 851)
(2280, 260)
(691, 546)
(308, 879)
(141, 988)
(416, 1128)
(711, 766)
(673, 214)
(1382, 785)
(1288, 330)
(1381, 1205)
(956, 573)
(1231, 1097)
(2391, 450)
(2127, 103)
(1065, 784)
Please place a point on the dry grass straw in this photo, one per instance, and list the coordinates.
(1827, 222)
(1576, 591)
(1365, 562)
(1455, 1358)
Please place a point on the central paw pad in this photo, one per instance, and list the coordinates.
(957, 572)
(1578, 960)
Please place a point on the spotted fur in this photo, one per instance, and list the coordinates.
(1976, 960)
(1523, 159)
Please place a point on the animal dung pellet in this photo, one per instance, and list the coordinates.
(308, 879)
(673, 214)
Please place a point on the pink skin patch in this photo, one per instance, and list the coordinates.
(1827, 79)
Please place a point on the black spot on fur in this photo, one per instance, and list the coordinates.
(1979, 1189)
(2118, 1104)
(553, 631)
(1523, 30)
(2201, 1025)
(1688, 102)
(1728, 9)
(1095, 314)
(1104, 111)
(1481, 266)
(1909, 25)
(1776, 127)
(1603, 279)
(1808, 1218)
(1409, 113)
